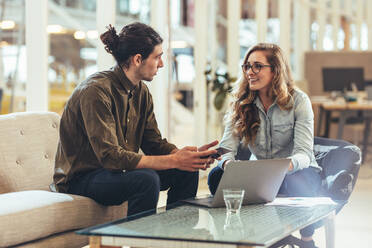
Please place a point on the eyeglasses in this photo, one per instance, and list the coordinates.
(256, 67)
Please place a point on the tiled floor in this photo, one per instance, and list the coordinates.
(354, 222)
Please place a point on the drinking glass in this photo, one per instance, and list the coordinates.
(233, 199)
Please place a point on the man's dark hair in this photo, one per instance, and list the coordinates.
(134, 38)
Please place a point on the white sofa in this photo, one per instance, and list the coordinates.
(30, 214)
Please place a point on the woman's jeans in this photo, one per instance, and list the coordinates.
(306, 182)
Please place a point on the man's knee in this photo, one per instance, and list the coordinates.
(148, 180)
(145, 191)
(193, 177)
(193, 180)
(181, 177)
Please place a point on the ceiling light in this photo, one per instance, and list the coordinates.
(79, 35)
(179, 44)
(3, 43)
(7, 24)
(55, 29)
(92, 34)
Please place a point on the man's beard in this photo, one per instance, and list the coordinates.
(148, 79)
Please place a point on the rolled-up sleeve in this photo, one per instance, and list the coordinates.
(303, 134)
(152, 142)
(100, 126)
(229, 141)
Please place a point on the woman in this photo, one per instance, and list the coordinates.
(275, 120)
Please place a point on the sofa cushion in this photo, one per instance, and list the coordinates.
(35, 214)
(62, 240)
(28, 144)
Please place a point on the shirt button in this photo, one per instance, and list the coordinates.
(46, 156)
(22, 132)
(54, 125)
(18, 162)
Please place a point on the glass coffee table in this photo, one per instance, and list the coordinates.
(191, 226)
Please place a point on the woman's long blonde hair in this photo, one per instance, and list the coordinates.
(243, 113)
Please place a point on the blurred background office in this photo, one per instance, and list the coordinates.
(48, 46)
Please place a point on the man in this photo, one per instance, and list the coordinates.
(109, 117)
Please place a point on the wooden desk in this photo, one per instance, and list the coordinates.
(346, 110)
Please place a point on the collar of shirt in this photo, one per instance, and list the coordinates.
(124, 81)
(258, 103)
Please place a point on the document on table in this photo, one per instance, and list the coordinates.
(301, 201)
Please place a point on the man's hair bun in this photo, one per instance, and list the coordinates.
(134, 38)
(110, 39)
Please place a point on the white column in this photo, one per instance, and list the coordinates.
(347, 25)
(105, 15)
(321, 19)
(212, 33)
(302, 36)
(160, 83)
(233, 46)
(37, 49)
(2, 79)
(200, 58)
(261, 19)
(335, 22)
(348, 4)
(213, 122)
(359, 22)
(285, 27)
(369, 24)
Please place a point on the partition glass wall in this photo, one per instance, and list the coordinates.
(13, 69)
(72, 47)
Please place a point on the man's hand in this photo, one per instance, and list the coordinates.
(190, 158)
(205, 148)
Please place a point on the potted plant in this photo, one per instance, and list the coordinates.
(221, 85)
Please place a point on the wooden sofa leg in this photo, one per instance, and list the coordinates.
(95, 242)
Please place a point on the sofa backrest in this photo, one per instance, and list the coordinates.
(28, 144)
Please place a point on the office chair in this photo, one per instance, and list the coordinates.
(340, 161)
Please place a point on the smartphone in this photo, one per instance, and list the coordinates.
(220, 151)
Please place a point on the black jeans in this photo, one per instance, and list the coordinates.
(139, 187)
(306, 182)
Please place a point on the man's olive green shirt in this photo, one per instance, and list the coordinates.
(104, 124)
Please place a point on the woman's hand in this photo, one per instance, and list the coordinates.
(225, 163)
(290, 168)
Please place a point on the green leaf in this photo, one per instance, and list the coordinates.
(219, 99)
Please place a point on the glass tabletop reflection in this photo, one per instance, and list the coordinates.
(254, 225)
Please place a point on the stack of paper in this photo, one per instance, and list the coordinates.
(301, 201)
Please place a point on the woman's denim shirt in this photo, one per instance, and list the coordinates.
(282, 134)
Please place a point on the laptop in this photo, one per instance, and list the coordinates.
(261, 180)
